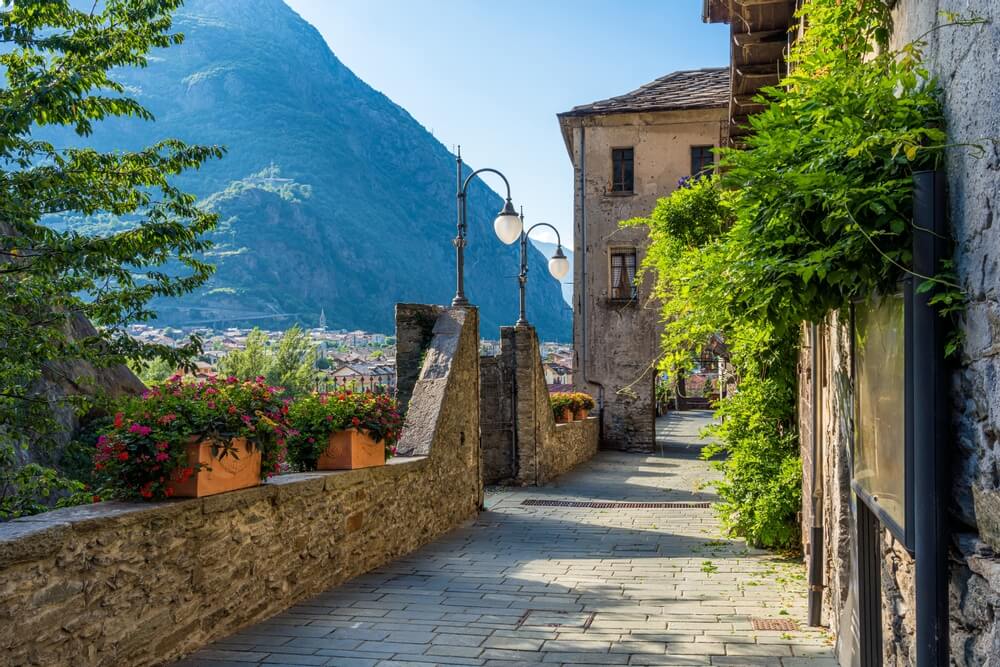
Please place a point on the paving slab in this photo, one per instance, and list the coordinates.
(547, 585)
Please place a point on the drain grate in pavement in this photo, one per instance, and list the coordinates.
(539, 502)
(548, 618)
(774, 624)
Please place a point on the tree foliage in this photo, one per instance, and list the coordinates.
(58, 70)
(290, 364)
(814, 212)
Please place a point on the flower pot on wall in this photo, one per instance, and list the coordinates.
(350, 449)
(566, 416)
(238, 469)
(581, 414)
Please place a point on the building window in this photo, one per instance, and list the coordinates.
(622, 169)
(702, 160)
(623, 274)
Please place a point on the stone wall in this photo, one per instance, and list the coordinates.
(414, 330)
(138, 584)
(522, 443)
(966, 61)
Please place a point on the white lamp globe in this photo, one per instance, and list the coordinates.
(558, 264)
(508, 224)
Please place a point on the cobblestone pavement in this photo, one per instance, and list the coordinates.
(541, 585)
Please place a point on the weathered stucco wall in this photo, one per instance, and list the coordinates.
(621, 340)
(137, 584)
(523, 443)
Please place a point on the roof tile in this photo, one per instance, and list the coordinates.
(689, 89)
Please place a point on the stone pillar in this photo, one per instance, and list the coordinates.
(414, 330)
(496, 391)
(527, 367)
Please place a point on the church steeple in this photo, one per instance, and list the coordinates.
(322, 319)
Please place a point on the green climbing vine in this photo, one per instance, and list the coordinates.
(812, 213)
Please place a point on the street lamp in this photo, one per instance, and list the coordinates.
(507, 226)
(558, 264)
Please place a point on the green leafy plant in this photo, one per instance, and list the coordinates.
(290, 363)
(145, 449)
(32, 488)
(814, 212)
(561, 401)
(58, 73)
(314, 417)
(582, 401)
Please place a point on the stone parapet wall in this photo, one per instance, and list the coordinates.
(522, 443)
(570, 445)
(140, 584)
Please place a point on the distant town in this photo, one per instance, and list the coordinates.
(361, 359)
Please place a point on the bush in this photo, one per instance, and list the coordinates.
(313, 418)
(33, 488)
(145, 449)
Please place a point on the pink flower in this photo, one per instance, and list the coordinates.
(140, 429)
(119, 419)
(166, 419)
(231, 379)
(246, 419)
(211, 404)
(162, 456)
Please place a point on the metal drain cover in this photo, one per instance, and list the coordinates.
(541, 502)
(784, 624)
(546, 618)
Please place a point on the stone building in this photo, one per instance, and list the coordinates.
(627, 152)
(887, 602)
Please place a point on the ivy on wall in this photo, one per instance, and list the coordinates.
(814, 212)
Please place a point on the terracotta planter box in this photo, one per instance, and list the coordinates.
(350, 449)
(567, 416)
(581, 414)
(226, 474)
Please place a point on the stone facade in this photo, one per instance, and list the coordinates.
(966, 60)
(522, 443)
(139, 584)
(614, 339)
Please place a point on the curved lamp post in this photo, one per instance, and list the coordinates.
(558, 264)
(506, 225)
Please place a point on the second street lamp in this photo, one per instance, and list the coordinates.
(507, 226)
(558, 264)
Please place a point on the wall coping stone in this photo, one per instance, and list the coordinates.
(30, 537)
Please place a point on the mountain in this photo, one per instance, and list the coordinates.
(331, 196)
(549, 249)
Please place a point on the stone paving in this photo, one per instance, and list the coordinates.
(541, 586)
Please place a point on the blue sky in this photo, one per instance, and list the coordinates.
(491, 76)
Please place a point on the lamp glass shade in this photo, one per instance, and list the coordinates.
(558, 266)
(507, 226)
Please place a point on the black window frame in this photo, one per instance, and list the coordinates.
(702, 160)
(623, 170)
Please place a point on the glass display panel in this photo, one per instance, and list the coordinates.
(880, 367)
